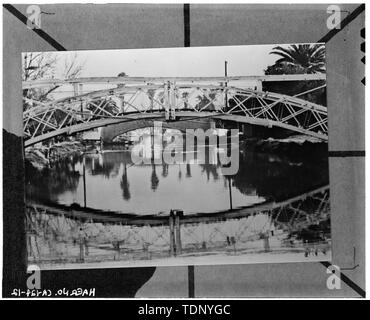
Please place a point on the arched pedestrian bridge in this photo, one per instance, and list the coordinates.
(127, 99)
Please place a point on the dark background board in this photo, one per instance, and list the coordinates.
(122, 26)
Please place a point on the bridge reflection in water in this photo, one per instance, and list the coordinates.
(60, 235)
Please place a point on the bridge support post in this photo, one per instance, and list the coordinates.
(82, 255)
(175, 232)
(172, 234)
(266, 242)
(178, 232)
(84, 180)
(77, 89)
(172, 101)
(167, 101)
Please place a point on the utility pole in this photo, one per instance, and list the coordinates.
(225, 86)
(84, 179)
(172, 234)
(229, 179)
(230, 194)
(178, 215)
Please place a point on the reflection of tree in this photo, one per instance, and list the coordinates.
(107, 164)
(154, 179)
(125, 186)
(188, 171)
(276, 177)
(104, 169)
(51, 182)
(180, 173)
(164, 169)
(210, 169)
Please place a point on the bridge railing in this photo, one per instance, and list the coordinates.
(276, 226)
(44, 119)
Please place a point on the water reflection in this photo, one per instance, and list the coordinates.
(114, 183)
(274, 232)
(275, 212)
(125, 185)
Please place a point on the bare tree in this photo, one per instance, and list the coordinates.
(48, 65)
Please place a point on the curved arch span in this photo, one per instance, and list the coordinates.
(160, 116)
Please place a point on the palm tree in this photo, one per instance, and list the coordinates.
(306, 58)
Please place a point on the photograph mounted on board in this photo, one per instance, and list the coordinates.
(176, 156)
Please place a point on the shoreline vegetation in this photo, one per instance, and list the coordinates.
(40, 156)
(292, 59)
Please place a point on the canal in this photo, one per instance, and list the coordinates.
(107, 179)
(275, 208)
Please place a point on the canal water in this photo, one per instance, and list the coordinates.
(293, 226)
(107, 179)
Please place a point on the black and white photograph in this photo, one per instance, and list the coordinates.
(183, 151)
(160, 157)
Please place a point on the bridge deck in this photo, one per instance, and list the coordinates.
(132, 98)
(127, 80)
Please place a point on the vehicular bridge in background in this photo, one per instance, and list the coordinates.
(127, 99)
(109, 133)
